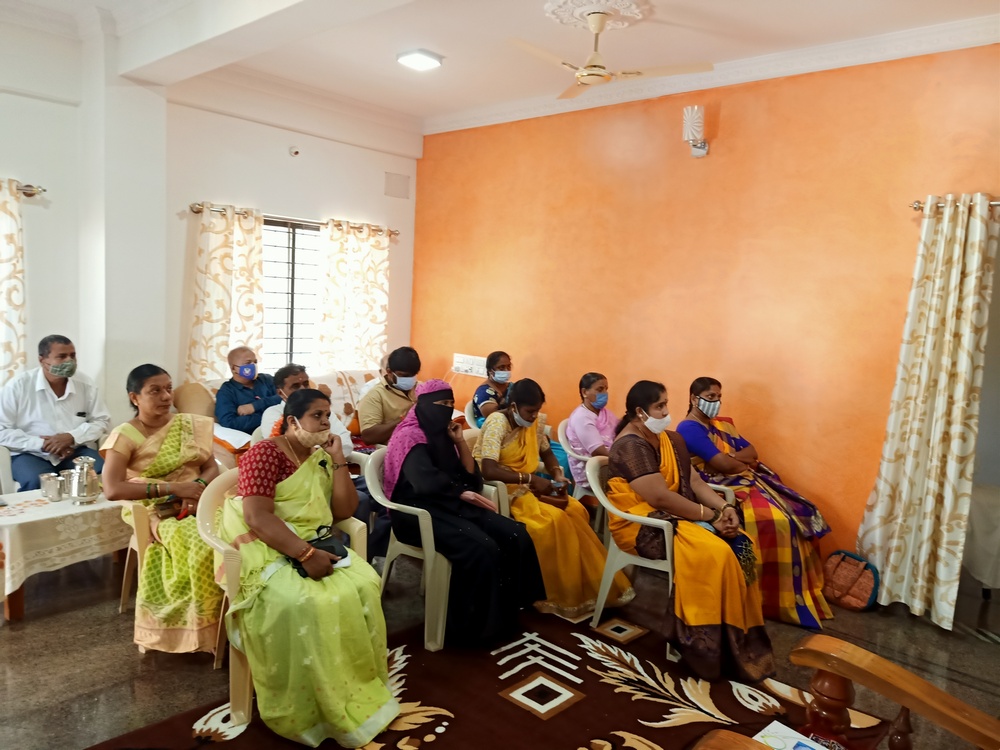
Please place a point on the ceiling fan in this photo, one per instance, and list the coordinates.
(594, 72)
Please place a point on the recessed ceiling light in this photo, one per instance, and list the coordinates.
(419, 59)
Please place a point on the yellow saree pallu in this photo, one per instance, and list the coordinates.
(715, 618)
(178, 601)
(569, 552)
(785, 528)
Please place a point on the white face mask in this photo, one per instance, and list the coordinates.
(709, 408)
(656, 425)
(310, 439)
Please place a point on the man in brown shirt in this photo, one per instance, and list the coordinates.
(385, 405)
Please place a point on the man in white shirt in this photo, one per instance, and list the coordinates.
(51, 415)
(287, 380)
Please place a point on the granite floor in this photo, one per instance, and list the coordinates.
(70, 676)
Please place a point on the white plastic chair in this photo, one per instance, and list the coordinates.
(240, 678)
(141, 538)
(7, 483)
(436, 577)
(256, 436)
(617, 559)
(600, 518)
(470, 415)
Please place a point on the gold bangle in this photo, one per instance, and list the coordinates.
(701, 512)
(308, 552)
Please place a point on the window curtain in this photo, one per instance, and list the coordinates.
(228, 290)
(915, 519)
(354, 299)
(13, 356)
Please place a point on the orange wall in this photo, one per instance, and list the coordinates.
(780, 264)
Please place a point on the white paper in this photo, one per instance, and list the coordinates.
(778, 736)
(235, 438)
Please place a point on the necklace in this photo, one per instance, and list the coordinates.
(295, 456)
(144, 428)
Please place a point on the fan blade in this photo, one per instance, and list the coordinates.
(667, 70)
(573, 91)
(542, 54)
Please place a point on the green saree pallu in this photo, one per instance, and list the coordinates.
(316, 648)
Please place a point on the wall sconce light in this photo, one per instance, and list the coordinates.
(694, 130)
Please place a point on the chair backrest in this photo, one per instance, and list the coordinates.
(564, 442)
(256, 436)
(470, 415)
(7, 485)
(194, 398)
(373, 476)
(208, 508)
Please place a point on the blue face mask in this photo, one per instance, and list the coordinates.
(519, 420)
(601, 400)
(405, 384)
(501, 376)
(247, 371)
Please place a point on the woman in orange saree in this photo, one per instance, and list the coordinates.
(714, 614)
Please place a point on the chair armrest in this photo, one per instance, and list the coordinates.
(361, 459)
(726, 492)
(899, 685)
(358, 531)
(140, 525)
(231, 561)
(501, 496)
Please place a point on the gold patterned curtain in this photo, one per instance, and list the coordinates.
(13, 356)
(915, 520)
(228, 290)
(354, 301)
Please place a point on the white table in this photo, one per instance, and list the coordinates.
(39, 536)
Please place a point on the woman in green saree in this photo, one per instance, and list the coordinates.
(151, 458)
(315, 639)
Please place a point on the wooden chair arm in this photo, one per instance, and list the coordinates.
(723, 739)
(899, 685)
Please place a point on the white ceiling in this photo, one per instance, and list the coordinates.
(483, 69)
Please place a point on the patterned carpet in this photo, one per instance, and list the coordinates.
(558, 685)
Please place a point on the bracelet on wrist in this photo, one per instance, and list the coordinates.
(308, 552)
(201, 481)
(716, 516)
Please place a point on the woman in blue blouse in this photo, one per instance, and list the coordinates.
(492, 394)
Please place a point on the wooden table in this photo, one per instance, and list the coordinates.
(37, 535)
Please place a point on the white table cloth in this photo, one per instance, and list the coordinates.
(38, 535)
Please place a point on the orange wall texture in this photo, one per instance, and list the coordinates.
(779, 264)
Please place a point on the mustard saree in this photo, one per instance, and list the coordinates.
(569, 552)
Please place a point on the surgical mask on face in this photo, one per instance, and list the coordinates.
(501, 376)
(310, 439)
(66, 369)
(247, 371)
(601, 400)
(521, 421)
(405, 384)
(656, 425)
(709, 408)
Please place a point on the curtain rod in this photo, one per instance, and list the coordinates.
(919, 206)
(29, 191)
(197, 208)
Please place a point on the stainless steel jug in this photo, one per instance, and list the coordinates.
(84, 486)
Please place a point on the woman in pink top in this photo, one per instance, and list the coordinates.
(591, 428)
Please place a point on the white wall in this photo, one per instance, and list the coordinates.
(38, 145)
(227, 160)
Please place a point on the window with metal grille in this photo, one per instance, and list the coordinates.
(291, 294)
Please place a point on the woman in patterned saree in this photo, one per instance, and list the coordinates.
(784, 526)
(153, 457)
(714, 615)
(569, 552)
(314, 634)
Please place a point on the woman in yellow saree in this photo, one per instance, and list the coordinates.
(714, 617)
(151, 458)
(309, 622)
(569, 552)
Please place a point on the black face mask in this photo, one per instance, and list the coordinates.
(433, 418)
